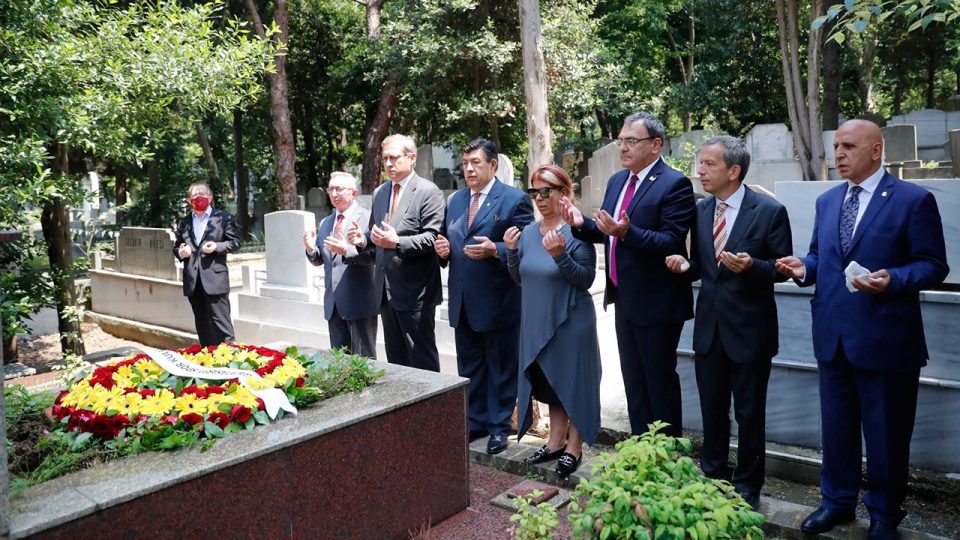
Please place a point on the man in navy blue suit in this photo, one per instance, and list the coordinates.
(867, 330)
(484, 303)
(647, 211)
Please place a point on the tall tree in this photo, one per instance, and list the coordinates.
(283, 141)
(535, 85)
(379, 124)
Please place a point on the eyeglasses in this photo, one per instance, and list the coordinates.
(632, 141)
(338, 189)
(393, 159)
(543, 192)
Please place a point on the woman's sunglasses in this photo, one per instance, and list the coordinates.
(544, 192)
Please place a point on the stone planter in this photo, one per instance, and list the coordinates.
(375, 464)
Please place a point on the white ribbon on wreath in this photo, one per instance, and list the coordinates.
(274, 399)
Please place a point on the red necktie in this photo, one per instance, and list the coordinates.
(338, 228)
(474, 206)
(719, 230)
(396, 199)
(627, 197)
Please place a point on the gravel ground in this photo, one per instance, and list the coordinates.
(43, 352)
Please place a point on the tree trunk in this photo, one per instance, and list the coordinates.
(832, 62)
(55, 222)
(243, 210)
(867, 61)
(309, 144)
(283, 147)
(535, 85)
(212, 170)
(153, 192)
(120, 190)
(376, 132)
(932, 64)
(803, 107)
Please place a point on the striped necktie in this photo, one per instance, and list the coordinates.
(474, 207)
(719, 230)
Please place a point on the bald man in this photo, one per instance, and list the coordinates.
(867, 330)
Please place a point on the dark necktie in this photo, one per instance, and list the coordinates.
(474, 207)
(627, 197)
(848, 218)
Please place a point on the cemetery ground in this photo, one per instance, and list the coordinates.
(933, 505)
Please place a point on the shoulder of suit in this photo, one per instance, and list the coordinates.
(706, 201)
(424, 183)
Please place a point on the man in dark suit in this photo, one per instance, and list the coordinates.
(203, 240)
(406, 217)
(484, 302)
(738, 237)
(646, 213)
(350, 303)
(867, 330)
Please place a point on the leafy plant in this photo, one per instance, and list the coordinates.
(534, 522)
(651, 488)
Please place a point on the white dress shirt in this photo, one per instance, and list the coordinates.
(200, 224)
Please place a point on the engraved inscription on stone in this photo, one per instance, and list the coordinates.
(146, 251)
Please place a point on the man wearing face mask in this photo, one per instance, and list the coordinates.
(204, 238)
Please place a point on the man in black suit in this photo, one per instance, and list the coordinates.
(738, 237)
(350, 303)
(646, 213)
(204, 238)
(406, 218)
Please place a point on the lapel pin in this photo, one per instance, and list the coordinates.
(653, 178)
(884, 194)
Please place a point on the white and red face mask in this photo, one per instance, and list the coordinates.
(200, 203)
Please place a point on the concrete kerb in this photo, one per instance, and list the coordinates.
(783, 517)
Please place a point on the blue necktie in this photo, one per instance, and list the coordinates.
(848, 218)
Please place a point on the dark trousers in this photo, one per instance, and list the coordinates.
(211, 315)
(358, 336)
(489, 360)
(717, 378)
(882, 405)
(648, 361)
(409, 337)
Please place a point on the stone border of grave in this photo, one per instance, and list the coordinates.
(395, 454)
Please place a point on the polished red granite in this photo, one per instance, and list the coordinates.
(385, 477)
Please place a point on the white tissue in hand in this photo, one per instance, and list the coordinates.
(854, 270)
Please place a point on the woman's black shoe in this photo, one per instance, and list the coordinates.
(544, 454)
(567, 464)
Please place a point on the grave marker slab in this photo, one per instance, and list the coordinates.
(146, 251)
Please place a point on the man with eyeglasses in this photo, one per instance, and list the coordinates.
(350, 304)
(484, 301)
(405, 219)
(647, 211)
(204, 237)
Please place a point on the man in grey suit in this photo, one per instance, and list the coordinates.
(406, 218)
(734, 245)
(204, 237)
(349, 301)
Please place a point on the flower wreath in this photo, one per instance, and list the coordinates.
(137, 391)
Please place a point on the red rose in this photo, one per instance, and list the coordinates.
(61, 395)
(300, 382)
(129, 390)
(239, 413)
(195, 390)
(170, 419)
(141, 418)
(260, 405)
(106, 427)
(193, 349)
(214, 390)
(148, 392)
(192, 418)
(220, 419)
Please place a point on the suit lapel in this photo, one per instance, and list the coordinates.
(833, 218)
(878, 200)
(645, 185)
(405, 199)
(616, 187)
(212, 222)
(708, 264)
(745, 217)
(488, 203)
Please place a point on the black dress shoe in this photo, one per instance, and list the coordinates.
(497, 444)
(477, 434)
(567, 464)
(544, 454)
(824, 519)
(882, 531)
(751, 499)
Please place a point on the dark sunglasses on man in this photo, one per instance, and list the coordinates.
(544, 192)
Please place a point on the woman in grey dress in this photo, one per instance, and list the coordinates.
(559, 352)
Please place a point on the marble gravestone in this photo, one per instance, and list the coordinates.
(899, 143)
(505, 170)
(289, 275)
(604, 162)
(146, 251)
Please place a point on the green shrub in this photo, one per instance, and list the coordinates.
(534, 522)
(650, 488)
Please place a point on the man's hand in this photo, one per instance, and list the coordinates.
(483, 250)
(791, 267)
(511, 237)
(209, 247)
(355, 236)
(554, 243)
(571, 214)
(872, 283)
(612, 227)
(184, 251)
(442, 246)
(310, 241)
(740, 262)
(335, 245)
(385, 236)
(677, 264)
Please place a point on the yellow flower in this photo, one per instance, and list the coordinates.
(246, 398)
(130, 404)
(159, 403)
(213, 402)
(189, 403)
(104, 399)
